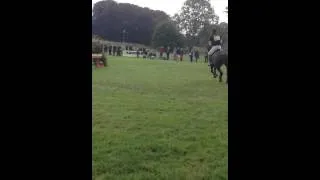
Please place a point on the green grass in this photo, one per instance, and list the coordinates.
(156, 119)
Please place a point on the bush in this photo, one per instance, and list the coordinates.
(104, 60)
(96, 48)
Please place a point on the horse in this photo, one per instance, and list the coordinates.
(216, 60)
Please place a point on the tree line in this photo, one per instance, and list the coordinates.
(130, 23)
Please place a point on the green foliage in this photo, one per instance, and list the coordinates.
(96, 37)
(104, 60)
(194, 15)
(166, 34)
(111, 18)
(96, 47)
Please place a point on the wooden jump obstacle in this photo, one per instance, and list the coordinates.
(98, 60)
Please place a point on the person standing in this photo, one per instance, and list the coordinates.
(119, 51)
(191, 55)
(196, 55)
(161, 52)
(110, 50)
(178, 54)
(206, 58)
(181, 54)
(168, 52)
(114, 50)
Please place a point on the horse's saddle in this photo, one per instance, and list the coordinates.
(211, 58)
(215, 52)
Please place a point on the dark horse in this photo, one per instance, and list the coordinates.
(216, 60)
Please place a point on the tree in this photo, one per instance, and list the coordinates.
(167, 34)
(96, 47)
(194, 15)
(111, 18)
(216, 19)
(223, 30)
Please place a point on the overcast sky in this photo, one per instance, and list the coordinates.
(173, 6)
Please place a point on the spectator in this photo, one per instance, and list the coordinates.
(178, 53)
(191, 55)
(119, 51)
(168, 53)
(110, 50)
(196, 55)
(181, 54)
(114, 50)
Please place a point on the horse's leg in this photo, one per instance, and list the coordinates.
(221, 74)
(215, 72)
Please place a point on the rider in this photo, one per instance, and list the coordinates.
(214, 43)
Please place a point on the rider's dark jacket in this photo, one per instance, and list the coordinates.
(213, 42)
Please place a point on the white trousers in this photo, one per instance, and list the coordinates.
(212, 50)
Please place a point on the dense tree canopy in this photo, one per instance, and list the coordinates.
(111, 18)
(194, 15)
(166, 34)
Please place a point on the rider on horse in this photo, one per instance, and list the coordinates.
(214, 44)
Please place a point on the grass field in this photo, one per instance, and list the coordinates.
(155, 119)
